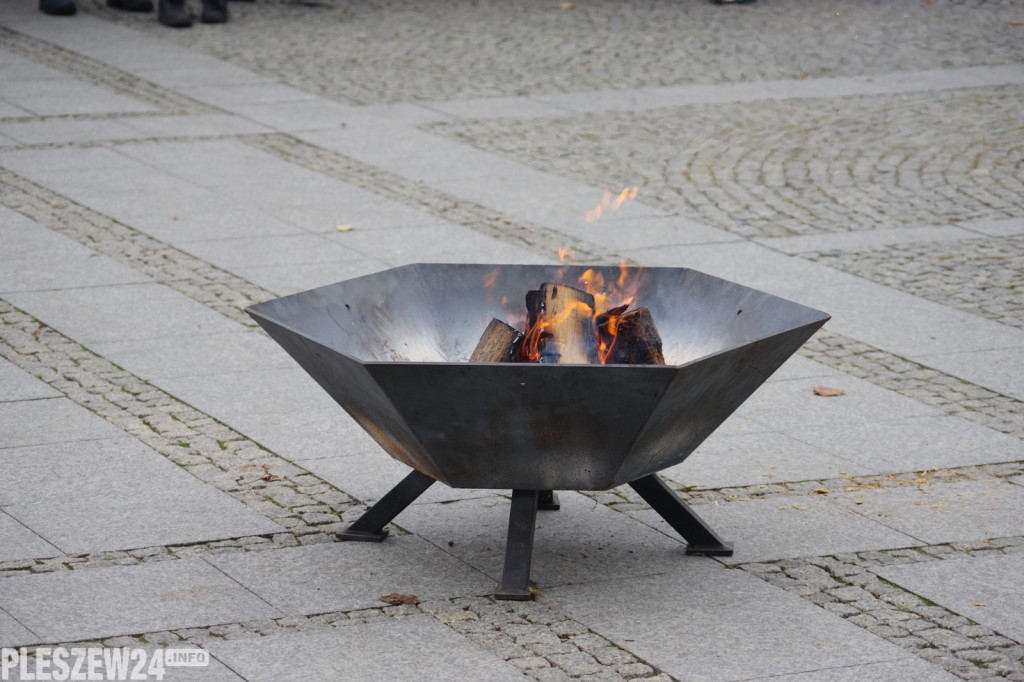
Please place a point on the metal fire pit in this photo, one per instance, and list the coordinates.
(392, 349)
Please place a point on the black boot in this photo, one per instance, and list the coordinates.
(58, 7)
(174, 13)
(214, 12)
(131, 5)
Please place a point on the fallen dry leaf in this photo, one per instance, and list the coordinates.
(827, 392)
(822, 491)
(396, 599)
(567, 5)
(345, 228)
(1015, 23)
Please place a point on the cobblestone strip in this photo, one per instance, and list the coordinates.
(541, 240)
(949, 393)
(218, 289)
(100, 73)
(980, 276)
(845, 585)
(533, 637)
(308, 508)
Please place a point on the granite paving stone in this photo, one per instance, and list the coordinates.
(708, 634)
(952, 512)
(13, 633)
(984, 589)
(50, 420)
(20, 385)
(581, 542)
(346, 576)
(21, 542)
(903, 670)
(124, 600)
(372, 651)
(784, 527)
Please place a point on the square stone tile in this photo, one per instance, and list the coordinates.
(911, 669)
(756, 458)
(288, 279)
(986, 368)
(124, 600)
(582, 542)
(434, 244)
(788, 405)
(985, 589)
(13, 633)
(711, 623)
(945, 512)
(783, 527)
(417, 647)
(344, 576)
(912, 444)
(178, 514)
(115, 313)
(20, 542)
(50, 420)
(202, 355)
(30, 251)
(20, 385)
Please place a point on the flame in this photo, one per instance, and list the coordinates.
(566, 253)
(609, 204)
(611, 301)
(490, 278)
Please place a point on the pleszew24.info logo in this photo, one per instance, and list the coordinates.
(57, 664)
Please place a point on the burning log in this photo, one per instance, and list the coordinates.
(499, 343)
(562, 328)
(637, 341)
(561, 324)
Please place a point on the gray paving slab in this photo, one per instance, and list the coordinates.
(345, 576)
(697, 625)
(998, 369)
(118, 467)
(20, 385)
(867, 239)
(61, 131)
(13, 633)
(198, 125)
(118, 312)
(31, 250)
(997, 228)
(287, 279)
(297, 116)
(582, 542)
(985, 589)
(1019, 480)
(948, 512)
(61, 97)
(497, 107)
(176, 514)
(634, 232)
(228, 96)
(799, 367)
(206, 354)
(758, 458)
(903, 670)
(50, 420)
(793, 404)
(434, 244)
(21, 542)
(418, 646)
(784, 527)
(123, 600)
(912, 444)
(291, 250)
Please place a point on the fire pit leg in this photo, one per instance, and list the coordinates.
(522, 521)
(370, 526)
(698, 535)
(548, 501)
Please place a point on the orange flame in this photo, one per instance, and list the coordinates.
(566, 253)
(610, 204)
(611, 300)
(490, 278)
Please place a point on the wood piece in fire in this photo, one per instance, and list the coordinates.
(638, 341)
(498, 343)
(568, 333)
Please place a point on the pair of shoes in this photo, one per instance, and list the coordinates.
(175, 14)
(58, 8)
(131, 5)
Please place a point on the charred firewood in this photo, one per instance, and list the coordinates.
(560, 325)
(637, 340)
